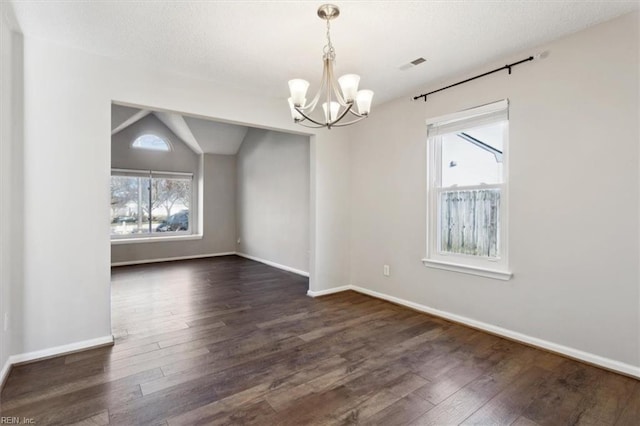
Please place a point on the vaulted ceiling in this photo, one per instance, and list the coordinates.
(259, 45)
(202, 136)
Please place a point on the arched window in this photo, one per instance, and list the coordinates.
(152, 142)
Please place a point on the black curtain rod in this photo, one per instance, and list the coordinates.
(506, 67)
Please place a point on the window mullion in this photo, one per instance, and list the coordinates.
(140, 209)
(150, 204)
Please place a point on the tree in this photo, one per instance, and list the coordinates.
(124, 190)
(166, 193)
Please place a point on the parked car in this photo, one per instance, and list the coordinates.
(175, 222)
(125, 219)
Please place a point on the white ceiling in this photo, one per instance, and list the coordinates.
(202, 136)
(261, 44)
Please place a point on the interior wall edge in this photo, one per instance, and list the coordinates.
(328, 291)
(274, 264)
(4, 373)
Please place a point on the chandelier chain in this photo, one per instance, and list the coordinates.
(329, 51)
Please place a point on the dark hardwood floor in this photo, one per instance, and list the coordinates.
(231, 341)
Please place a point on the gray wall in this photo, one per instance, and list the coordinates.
(219, 186)
(180, 159)
(573, 198)
(273, 198)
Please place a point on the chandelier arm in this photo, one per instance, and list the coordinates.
(336, 87)
(329, 67)
(358, 114)
(311, 127)
(312, 105)
(339, 97)
(341, 116)
(306, 117)
(323, 85)
(350, 122)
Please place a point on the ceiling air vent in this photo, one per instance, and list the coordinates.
(412, 64)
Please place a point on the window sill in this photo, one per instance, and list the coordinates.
(119, 241)
(466, 269)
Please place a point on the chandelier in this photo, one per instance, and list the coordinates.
(339, 95)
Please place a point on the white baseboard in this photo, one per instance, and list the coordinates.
(274, 264)
(61, 350)
(607, 363)
(52, 352)
(171, 259)
(328, 291)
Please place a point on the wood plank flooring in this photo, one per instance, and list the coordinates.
(231, 341)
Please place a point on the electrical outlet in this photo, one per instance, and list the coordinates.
(6, 321)
(238, 241)
(386, 271)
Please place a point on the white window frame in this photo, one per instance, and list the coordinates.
(143, 134)
(190, 234)
(497, 268)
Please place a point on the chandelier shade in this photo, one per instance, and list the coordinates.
(338, 96)
(298, 88)
(349, 85)
(364, 101)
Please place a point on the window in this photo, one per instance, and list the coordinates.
(466, 200)
(151, 142)
(148, 203)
